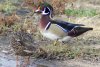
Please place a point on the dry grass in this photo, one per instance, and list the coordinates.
(58, 5)
(85, 46)
(9, 20)
(63, 52)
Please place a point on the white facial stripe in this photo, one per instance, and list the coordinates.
(50, 11)
(43, 12)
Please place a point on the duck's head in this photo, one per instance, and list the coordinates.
(45, 9)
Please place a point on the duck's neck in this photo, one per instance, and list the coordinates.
(44, 21)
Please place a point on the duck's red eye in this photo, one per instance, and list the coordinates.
(42, 8)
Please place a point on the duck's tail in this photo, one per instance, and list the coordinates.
(78, 31)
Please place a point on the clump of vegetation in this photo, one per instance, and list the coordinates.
(3, 29)
(11, 19)
(58, 5)
(7, 7)
(63, 52)
(91, 54)
(17, 27)
(29, 26)
(8, 20)
(25, 25)
(81, 12)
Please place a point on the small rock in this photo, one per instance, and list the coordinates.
(4, 51)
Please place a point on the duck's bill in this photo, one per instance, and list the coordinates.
(38, 11)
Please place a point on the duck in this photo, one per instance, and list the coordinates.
(57, 30)
(23, 46)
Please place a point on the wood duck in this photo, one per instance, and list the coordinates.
(23, 45)
(57, 29)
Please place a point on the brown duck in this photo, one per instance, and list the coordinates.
(23, 45)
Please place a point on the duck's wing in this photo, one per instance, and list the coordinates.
(66, 26)
(71, 29)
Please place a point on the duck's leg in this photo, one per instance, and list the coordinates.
(56, 42)
(17, 60)
(26, 61)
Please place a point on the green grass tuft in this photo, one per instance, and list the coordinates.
(81, 12)
(7, 7)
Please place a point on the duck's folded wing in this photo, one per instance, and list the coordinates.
(66, 26)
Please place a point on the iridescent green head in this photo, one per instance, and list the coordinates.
(45, 9)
